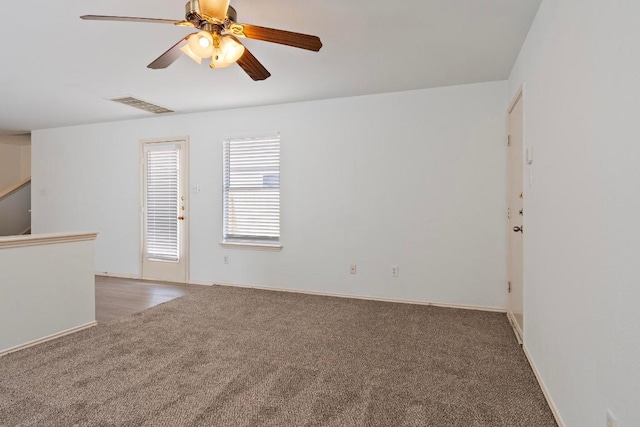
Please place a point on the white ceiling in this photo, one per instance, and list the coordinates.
(57, 69)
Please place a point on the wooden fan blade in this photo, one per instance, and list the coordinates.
(170, 56)
(288, 38)
(252, 66)
(129, 19)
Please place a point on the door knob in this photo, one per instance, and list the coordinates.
(518, 229)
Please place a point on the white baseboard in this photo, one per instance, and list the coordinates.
(545, 391)
(200, 283)
(368, 298)
(47, 338)
(118, 276)
(326, 294)
(516, 328)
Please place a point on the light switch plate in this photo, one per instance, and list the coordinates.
(529, 155)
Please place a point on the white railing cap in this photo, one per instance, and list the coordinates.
(44, 239)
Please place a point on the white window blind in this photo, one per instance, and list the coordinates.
(162, 169)
(252, 190)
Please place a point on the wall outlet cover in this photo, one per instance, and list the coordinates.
(395, 271)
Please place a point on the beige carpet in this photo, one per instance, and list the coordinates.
(241, 357)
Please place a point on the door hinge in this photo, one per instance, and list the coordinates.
(509, 286)
(508, 213)
(508, 140)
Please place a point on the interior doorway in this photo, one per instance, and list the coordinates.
(165, 220)
(516, 214)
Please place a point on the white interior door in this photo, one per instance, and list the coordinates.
(164, 211)
(516, 216)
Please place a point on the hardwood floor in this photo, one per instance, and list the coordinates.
(117, 298)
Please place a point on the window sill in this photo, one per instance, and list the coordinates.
(275, 247)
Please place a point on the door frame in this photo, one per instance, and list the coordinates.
(187, 222)
(518, 96)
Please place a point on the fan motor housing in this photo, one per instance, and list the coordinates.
(192, 12)
(232, 14)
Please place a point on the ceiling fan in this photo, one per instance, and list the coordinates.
(218, 37)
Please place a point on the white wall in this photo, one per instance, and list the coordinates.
(14, 212)
(25, 161)
(10, 160)
(580, 68)
(55, 297)
(15, 160)
(414, 178)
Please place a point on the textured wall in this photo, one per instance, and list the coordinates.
(413, 178)
(580, 67)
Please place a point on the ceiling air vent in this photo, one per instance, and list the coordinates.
(142, 105)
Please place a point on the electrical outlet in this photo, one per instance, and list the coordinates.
(226, 259)
(611, 420)
(395, 271)
(352, 269)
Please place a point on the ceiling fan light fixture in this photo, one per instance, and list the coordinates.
(187, 51)
(217, 39)
(201, 44)
(227, 51)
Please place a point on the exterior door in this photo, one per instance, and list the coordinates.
(165, 228)
(516, 216)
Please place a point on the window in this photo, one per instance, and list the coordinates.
(252, 191)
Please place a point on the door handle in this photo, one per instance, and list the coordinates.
(181, 218)
(519, 229)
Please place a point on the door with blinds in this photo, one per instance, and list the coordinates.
(164, 212)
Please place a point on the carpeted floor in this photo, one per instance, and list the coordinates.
(242, 357)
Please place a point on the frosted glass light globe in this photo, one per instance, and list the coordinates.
(201, 44)
(227, 52)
